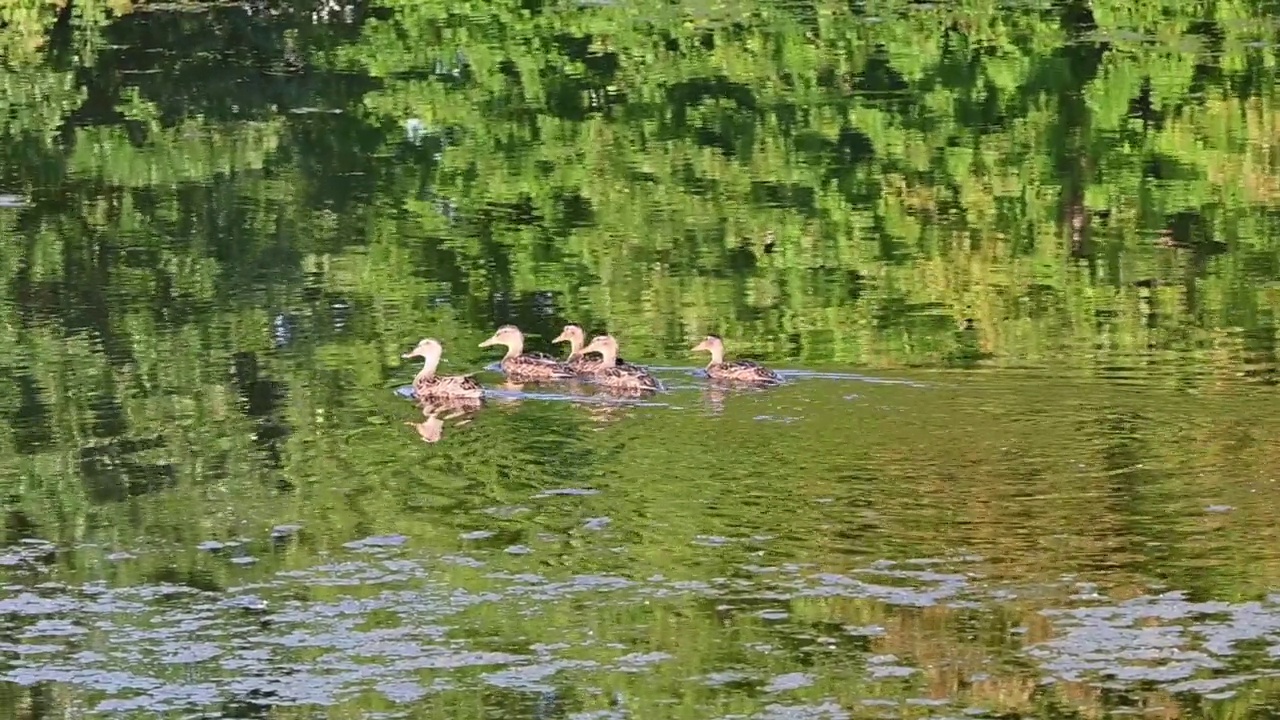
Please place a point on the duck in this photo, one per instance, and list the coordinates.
(736, 371)
(613, 375)
(521, 364)
(578, 360)
(426, 384)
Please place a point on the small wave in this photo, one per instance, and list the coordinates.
(700, 372)
(406, 391)
(808, 374)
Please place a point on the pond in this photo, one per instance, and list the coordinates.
(1017, 264)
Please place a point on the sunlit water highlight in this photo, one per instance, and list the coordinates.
(384, 617)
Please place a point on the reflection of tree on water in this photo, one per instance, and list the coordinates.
(262, 398)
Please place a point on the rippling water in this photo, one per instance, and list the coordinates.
(978, 543)
(383, 622)
(1016, 263)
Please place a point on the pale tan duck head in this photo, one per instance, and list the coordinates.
(607, 346)
(510, 336)
(713, 345)
(573, 335)
(430, 350)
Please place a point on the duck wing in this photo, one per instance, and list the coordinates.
(450, 386)
(749, 371)
(631, 377)
(537, 365)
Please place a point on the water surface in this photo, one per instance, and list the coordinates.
(1017, 264)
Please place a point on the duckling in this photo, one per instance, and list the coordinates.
(577, 359)
(625, 377)
(429, 385)
(522, 364)
(738, 371)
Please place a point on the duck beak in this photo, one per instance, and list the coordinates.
(700, 347)
(562, 337)
(491, 341)
(412, 353)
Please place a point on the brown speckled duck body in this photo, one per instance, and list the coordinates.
(527, 366)
(612, 375)
(734, 371)
(578, 359)
(429, 385)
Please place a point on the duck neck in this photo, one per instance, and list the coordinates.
(717, 356)
(608, 357)
(429, 364)
(515, 346)
(575, 348)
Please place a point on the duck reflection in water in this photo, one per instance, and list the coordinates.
(716, 391)
(610, 404)
(713, 398)
(431, 428)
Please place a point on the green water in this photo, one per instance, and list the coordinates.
(1019, 261)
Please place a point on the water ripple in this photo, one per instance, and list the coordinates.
(227, 652)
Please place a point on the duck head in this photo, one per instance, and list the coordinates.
(573, 335)
(510, 336)
(429, 349)
(606, 346)
(713, 345)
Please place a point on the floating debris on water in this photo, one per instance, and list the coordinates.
(566, 491)
(789, 681)
(378, 541)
